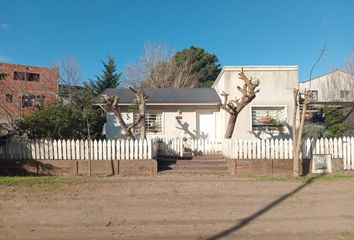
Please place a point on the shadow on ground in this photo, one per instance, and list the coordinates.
(244, 222)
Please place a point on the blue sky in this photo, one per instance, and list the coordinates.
(269, 32)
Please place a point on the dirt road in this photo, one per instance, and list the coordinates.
(177, 207)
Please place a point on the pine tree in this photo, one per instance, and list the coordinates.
(110, 78)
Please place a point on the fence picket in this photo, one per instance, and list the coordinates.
(352, 153)
(335, 148)
(349, 165)
(145, 149)
(254, 149)
(113, 143)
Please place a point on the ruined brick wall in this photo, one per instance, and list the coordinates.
(24, 88)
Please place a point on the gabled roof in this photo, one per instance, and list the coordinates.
(169, 96)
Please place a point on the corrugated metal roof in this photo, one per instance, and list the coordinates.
(168, 95)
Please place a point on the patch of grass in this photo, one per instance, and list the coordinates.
(323, 177)
(27, 179)
(347, 235)
(42, 183)
(199, 238)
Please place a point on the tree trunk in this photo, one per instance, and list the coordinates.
(128, 132)
(295, 153)
(231, 125)
(142, 119)
(89, 145)
(297, 160)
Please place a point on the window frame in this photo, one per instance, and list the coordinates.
(285, 107)
(136, 130)
(313, 95)
(347, 94)
(9, 98)
(32, 100)
(26, 76)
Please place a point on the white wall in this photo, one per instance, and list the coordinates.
(188, 126)
(276, 88)
(329, 86)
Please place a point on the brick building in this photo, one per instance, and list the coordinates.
(24, 89)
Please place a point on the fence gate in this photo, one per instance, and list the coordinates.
(175, 147)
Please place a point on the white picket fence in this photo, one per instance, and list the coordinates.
(175, 147)
(46, 149)
(283, 149)
(258, 149)
(337, 147)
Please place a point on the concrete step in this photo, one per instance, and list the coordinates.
(197, 165)
(196, 168)
(194, 172)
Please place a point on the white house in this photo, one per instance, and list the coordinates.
(196, 112)
(336, 86)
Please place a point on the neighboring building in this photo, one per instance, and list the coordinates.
(67, 90)
(196, 112)
(333, 87)
(24, 89)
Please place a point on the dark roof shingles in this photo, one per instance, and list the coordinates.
(169, 95)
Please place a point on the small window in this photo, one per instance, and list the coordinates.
(344, 93)
(25, 76)
(3, 76)
(32, 101)
(33, 77)
(9, 98)
(21, 76)
(268, 118)
(153, 123)
(313, 95)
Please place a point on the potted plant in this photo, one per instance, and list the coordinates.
(266, 119)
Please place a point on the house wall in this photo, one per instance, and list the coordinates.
(186, 127)
(276, 89)
(328, 87)
(46, 86)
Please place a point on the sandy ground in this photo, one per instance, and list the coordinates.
(177, 207)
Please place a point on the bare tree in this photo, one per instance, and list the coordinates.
(156, 69)
(305, 97)
(69, 75)
(112, 102)
(234, 107)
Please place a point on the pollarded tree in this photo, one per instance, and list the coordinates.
(234, 107)
(112, 102)
(110, 78)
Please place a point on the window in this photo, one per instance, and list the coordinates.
(344, 93)
(26, 76)
(3, 76)
(32, 101)
(270, 118)
(313, 95)
(19, 76)
(153, 123)
(9, 98)
(33, 77)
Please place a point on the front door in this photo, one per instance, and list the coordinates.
(206, 125)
